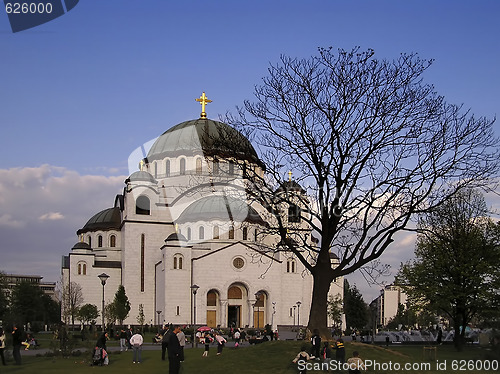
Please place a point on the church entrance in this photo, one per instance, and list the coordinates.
(234, 316)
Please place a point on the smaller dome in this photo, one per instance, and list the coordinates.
(223, 208)
(176, 237)
(333, 256)
(141, 176)
(82, 245)
(105, 220)
(290, 186)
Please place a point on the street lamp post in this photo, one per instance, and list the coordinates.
(194, 290)
(103, 277)
(298, 313)
(294, 307)
(158, 312)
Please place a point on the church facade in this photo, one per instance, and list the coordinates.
(190, 243)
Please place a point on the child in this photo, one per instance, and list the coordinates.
(326, 353)
(316, 344)
(355, 363)
(340, 351)
(207, 340)
(301, 357)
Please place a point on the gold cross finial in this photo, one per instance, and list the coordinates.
(290, 176)
(204, 101)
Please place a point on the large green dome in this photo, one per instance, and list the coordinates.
(203, 136)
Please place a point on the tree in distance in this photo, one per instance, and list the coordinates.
(456, 270)
(371, 145)
(121, 304)
(88, 314)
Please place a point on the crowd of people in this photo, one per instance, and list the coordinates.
(324, 353)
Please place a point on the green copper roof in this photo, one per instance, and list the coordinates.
(203, 136)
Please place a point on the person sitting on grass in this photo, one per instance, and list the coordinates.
(355, 363)
(301, 358)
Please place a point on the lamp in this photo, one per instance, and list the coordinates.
(194, 290)
(103, 277)
(298, 313)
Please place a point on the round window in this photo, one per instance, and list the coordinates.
(238, 262)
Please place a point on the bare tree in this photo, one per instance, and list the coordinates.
(72, 297)
(370, 144)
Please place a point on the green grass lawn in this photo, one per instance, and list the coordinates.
(270, 357)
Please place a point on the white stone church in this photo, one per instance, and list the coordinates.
(186, 221)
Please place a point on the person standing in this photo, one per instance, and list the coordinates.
(101, 342)
(207, 339)
(220, 343)
(167, 331)
(316, 344)
(174, 352)
(123, 340)
(2, 345)
(340, 351)
(182, 341)
(17, 341)
(136, 342)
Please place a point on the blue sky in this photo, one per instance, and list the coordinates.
(80, 93)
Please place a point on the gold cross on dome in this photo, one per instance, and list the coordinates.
(290, 176)
(204, 101)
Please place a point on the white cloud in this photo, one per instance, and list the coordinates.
(46, 205)
(51, 216)
(6, 220)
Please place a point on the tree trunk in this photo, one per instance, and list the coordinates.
(318, 313)
(458, 338)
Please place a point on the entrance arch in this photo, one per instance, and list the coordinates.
(237, 297)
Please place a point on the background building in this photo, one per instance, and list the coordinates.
(387, 303)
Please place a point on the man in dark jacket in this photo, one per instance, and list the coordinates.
(167, 331)
(17, 339)
(174, 352)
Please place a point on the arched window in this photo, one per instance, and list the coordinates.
(89, 240)
(199, 168)
(201, 232)
(231, 232)
(231, 167)
(290, 266)
(245, 233)
(82, 268)
(142, 205)
(216, 232)
(293, 213)
(234, 293)
(167, 168)
(182, 166)
(255, 235)
(99, 241)
(260, 301)
(189, 233)
(212, 298)
(112, 241)
(178, 262)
